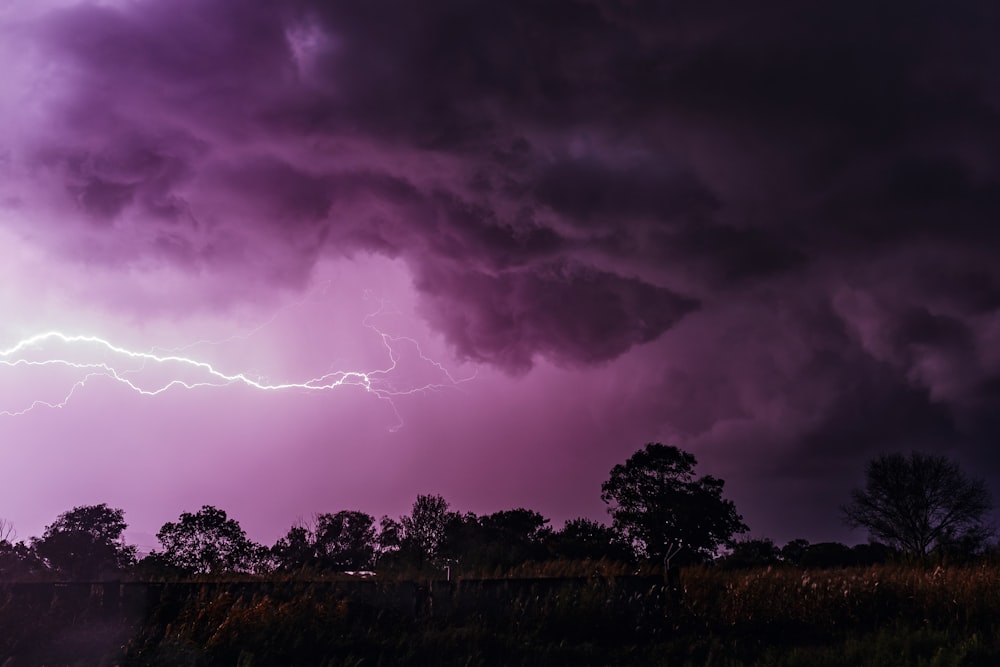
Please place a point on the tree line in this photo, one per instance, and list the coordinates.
(661, 511)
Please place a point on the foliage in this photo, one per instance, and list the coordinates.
(502, 539)
(770, 602)
(661, 509)
(752, 553)
(19, 561)
(296, 550)
(389, 538)
(920, 502)
(579, 621)
(898, 615)
(230, 628)
(422, 533)
(207, 542)
(86, 543)
(881, 615)
(342, 541)
(345, 540)
(584, 538)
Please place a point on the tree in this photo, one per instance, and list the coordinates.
(7, 532)
(389, 538)
(86, 542)
(663, 511)
(584, 538)
(500, 540)
(919, 503)
(423, 531)
(19, 561)
(207, 542)
(464, 541)
(794, 551)
(872, 553)
(750, 553)
(296, 550)
(345, 540)
(517, 525)
(826, 554)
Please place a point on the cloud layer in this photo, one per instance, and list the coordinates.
(797, 201)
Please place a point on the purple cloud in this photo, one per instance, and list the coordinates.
(779, 221)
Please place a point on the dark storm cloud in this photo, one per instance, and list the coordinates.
(453, 75)
(128, 171)
(882, 413)
(571, 179)
(305, 120)
(284, 196)
(564, 312)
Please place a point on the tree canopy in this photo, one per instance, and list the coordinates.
(345, 540)
(584, 538)
(664, 511)
(296, 550)
(919, 503)
(501, 539)
(86, 542)
(341, 541)
(207, 542)
(660, 509)
(422, 533)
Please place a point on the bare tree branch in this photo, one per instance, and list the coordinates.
(919, 503)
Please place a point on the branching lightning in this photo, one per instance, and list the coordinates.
(153, 372)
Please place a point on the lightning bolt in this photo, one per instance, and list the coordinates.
(152, 372)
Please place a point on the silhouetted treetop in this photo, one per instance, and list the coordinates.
(86, 542)
(663, 510)
(919, 503)
(207, 542)
(423, 531)
(345, 540)
(583, 538)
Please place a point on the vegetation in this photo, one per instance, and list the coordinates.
(507, 588)
(661, 509)
(85, 543)
(781, 616)
(919, 503)
(344, 541)
(207, 542)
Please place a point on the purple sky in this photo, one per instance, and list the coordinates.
(766, 235)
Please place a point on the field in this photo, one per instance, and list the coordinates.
(884, 615)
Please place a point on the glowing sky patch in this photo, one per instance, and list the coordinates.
(47, 369)
(151, 373)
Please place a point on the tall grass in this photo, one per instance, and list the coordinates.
(879, 615)
(965, 597)
(891, 615)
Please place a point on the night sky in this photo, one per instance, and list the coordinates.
(540, 234)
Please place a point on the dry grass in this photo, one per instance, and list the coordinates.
(967, 597)
(579, 612)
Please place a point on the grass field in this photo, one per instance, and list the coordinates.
(884, 615)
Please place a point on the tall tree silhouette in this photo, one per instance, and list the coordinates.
(207, 542)
(920, 502)
(345, 540)
(664, 511)
(502, 539)
(86, 542)
(423, 531)
(296, 550)
(583, 538)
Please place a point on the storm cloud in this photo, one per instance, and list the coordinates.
(796, 201)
